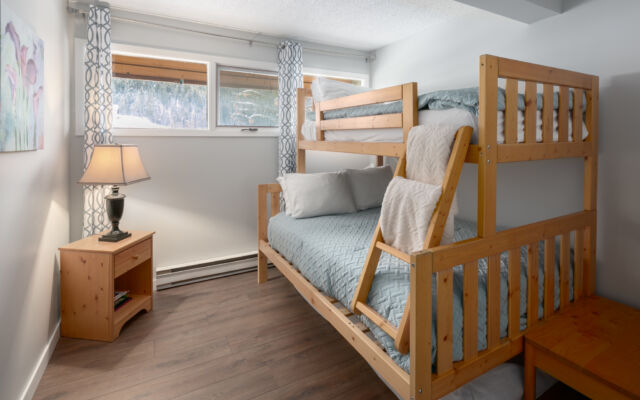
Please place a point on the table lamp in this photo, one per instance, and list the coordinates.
(114, 164)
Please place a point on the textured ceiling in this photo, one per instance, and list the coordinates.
(357, 24)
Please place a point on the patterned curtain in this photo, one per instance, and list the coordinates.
(289, 79)
(97, 112)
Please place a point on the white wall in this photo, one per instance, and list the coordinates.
(34, 217)
(201, 199)
(598, 37)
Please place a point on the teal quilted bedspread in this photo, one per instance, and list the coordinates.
(330, 251)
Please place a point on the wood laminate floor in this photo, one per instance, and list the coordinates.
(226, 338)
(220, 339)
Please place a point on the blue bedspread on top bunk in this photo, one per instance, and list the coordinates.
(330, 251)
(466, 98)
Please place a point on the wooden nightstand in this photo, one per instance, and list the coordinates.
(90, 272)
(591, 346)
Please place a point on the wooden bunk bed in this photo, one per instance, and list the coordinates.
(437, 263)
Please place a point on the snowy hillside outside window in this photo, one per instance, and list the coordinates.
(159, 93)
(247, 98)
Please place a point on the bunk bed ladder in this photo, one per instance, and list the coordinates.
(432, 239)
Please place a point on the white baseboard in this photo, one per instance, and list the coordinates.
(41, 365)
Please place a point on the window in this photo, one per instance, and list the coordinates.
(247, 98)
(159, 93)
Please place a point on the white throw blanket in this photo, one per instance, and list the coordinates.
(408, 204)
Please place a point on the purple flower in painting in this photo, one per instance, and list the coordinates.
(28, 69)
(11, 30)
(31, 72)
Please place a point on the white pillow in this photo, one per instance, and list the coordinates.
(368, 185)
(326, 89)
(312, 195)
(285, 195)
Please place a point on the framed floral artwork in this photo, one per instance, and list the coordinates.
(21, 84)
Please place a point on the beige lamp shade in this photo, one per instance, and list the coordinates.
(114, 164)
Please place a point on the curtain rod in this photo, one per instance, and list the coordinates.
(250, 42)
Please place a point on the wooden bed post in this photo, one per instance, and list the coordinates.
(409, 108)
(301, 156)
(590, 188)
(487, 142)
(262, 232)
(487, 185)
(420, 353)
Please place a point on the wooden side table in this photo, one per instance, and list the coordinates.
(91, 271)
(592, 346)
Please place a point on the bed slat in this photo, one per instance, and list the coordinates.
(530, 111)
(549, 276)
(540, 73)
(344, 310)
(390, 149)
(331, 299)
(493, 301)
(565, 243)
(514, 293)
(576, 125)
(542, 151)
(563, 114)
(470, 313)
(532, 284)
(371, 97)
(370, 122)
(547, 113)
(511, 112)
(361, 326)
(578, 264)
(393, 251)
(377, 319)
(444, 325)
(449, 256)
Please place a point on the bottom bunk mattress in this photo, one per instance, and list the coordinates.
(330, 252)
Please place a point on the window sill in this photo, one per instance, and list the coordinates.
(181, 133)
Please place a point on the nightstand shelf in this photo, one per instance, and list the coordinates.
(123, 314)
(91, 271)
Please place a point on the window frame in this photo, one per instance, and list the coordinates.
(212, 77)
(219, 67)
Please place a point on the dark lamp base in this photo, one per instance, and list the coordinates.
(114, 236)
(115, 207)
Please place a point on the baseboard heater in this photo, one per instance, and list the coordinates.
(184, 274)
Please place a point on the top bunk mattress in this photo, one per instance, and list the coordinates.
(330, 252)
(452, 116)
